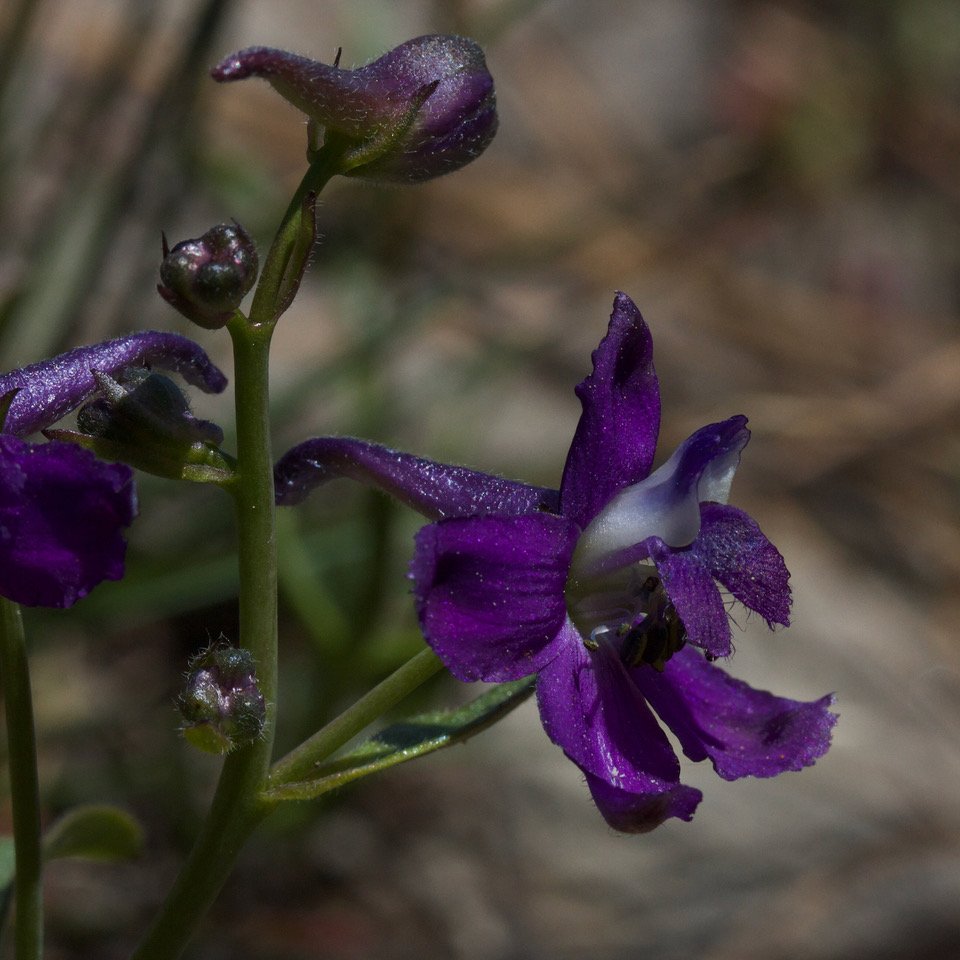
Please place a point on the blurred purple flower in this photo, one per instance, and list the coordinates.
(423, 109)
(62, 511)
(607, 589)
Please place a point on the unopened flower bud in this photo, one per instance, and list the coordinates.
(205, 279)
(423, 109)
(144, 405)
(221, 704)
(144, 420)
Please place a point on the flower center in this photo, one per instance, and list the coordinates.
(630, 611)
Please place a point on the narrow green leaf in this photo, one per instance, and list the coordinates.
(93, 833)
(8, 869)
(7, 862)
(408, 740)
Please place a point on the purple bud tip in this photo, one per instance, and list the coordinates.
(254, 61)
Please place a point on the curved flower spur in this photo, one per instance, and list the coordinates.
(606, 589)
(62, 511)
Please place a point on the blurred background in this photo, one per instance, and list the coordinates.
(777, 185)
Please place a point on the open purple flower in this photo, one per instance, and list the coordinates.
(606, 589)
(62, 511)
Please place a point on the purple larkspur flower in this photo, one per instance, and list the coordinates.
(63, 511)
(607, 589)
(423, 109)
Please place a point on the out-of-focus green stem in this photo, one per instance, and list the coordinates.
(13, 42)
(24, 784)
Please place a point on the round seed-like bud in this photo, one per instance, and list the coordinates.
(221, 704)
(206, 278)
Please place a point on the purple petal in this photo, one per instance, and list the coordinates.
(50, 389)
(745, 732)
(744, 561)
(434, 489)
(489, 592)
(642, 812)
(691, 589)
(665, 504)
(62, 513)
(590, 707)
(617, 434)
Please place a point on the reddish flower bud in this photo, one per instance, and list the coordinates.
(221, 703)
(423, 109)
(205, 279)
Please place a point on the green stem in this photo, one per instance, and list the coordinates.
(302, 760)
(24, 784)
(236, 809)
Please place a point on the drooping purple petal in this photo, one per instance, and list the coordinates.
(489, 592)
(642, 812)
(738, 555)
(745, 732)
(50, 389)
(665, 504)
(590, 707)
(62, 513)
(616, 437)
(694, 594)
(436, 490)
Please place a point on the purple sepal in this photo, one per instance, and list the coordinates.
(737, 553)
(61, 516)
(590, 707)
(616, 437)
(489, 592)
(427, 106)
(50, 389)
(433, 489)
(642, 812)
(744, 732)
(692, 591)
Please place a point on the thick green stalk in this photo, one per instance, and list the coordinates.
(236, 809)
(302, 760)
(24, 784)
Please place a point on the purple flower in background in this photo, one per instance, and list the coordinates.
(423, 109)
(62, 511)
(606, 589)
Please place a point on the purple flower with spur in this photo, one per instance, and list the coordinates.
(62, 511)
(423, 109)
(607, 589)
